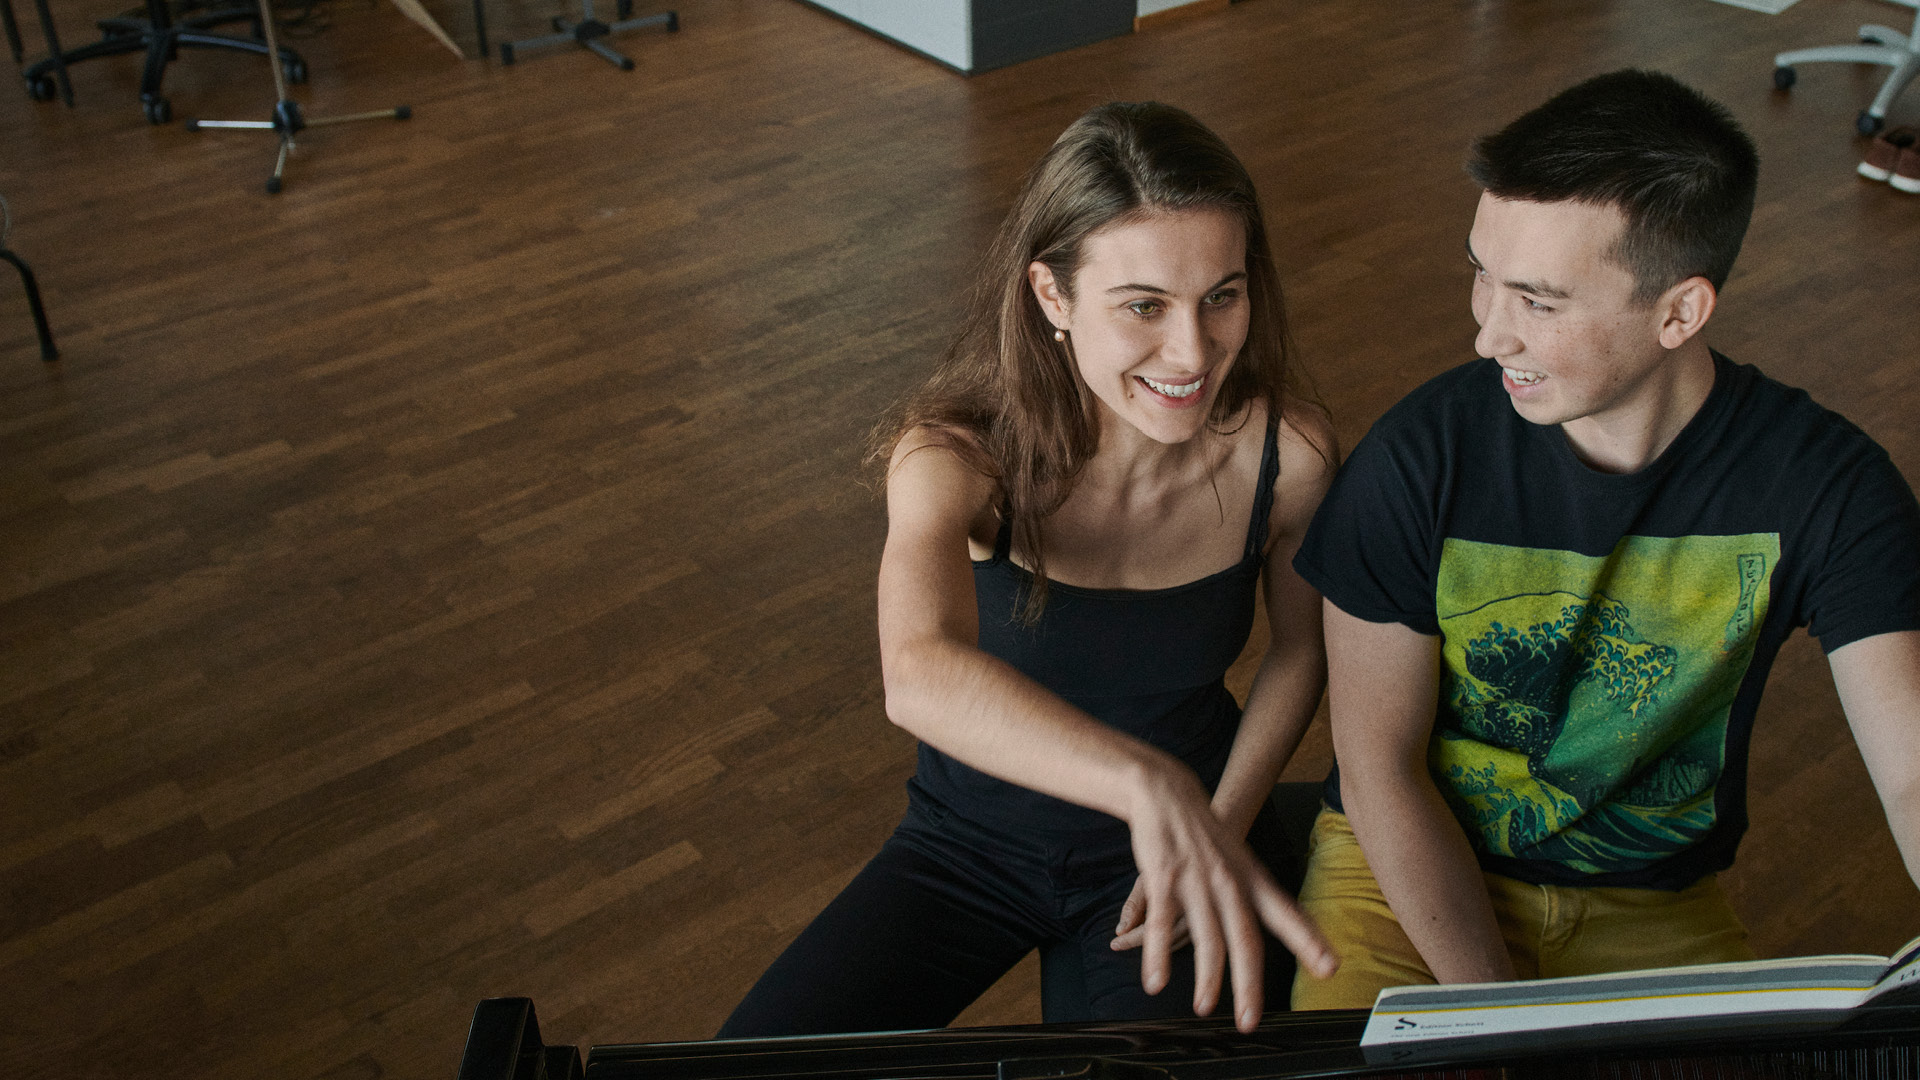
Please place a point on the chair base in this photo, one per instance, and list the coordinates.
(1880, 45)
(588, 31)
(161, 39)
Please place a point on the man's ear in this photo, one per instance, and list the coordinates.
(1047, 291)
(1684, 309)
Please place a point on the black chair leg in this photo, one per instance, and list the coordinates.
(47, 351)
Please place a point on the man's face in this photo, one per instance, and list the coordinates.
(1558, 315)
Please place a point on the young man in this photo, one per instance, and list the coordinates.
(1555, 579)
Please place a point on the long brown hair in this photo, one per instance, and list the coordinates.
(1009, 399)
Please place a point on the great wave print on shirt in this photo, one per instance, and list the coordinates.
(1584, 701)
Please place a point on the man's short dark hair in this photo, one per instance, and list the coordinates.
(1672, 159)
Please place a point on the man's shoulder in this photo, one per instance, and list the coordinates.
(1787, 418)
(1464, 396)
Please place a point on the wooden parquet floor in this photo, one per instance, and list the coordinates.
(452, 576)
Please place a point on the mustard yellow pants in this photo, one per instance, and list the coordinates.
(1550, 930)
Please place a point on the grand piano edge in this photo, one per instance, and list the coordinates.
(504, 1043)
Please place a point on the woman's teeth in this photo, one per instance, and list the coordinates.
(1172, 390)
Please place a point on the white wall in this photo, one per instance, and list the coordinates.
(939, 28)
(1148, 7)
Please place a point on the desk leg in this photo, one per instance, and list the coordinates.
(479, 24)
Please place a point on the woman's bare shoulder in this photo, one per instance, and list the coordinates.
(1308, 442)
(1309, 457)
(939, 465)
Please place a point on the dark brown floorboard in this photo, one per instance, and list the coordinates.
(451, 577)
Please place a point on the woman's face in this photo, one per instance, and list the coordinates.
(1158, 316)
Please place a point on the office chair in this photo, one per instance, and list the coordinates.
(1878, 45)
(57, 57)
(160, 37)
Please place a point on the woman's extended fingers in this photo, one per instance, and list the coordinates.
(1133, 912)
(1210, 952)
(1297, 932)
(1221, 911)
(1130, 932)
(1248, 954)
(1156, 962)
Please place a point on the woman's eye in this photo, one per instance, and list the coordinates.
(1144, 307)
(1224, 296)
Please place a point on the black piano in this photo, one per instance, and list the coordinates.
(1873, 1043)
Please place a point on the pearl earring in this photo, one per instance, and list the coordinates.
(1059, 335)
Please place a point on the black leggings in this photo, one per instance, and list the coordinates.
(946, 908)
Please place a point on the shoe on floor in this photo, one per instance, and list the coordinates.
(1906, 171)
(1883, 154)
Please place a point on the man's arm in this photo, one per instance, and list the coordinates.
(1383, 684)
(1879, 683)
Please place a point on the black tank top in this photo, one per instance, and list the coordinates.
(1150, 662)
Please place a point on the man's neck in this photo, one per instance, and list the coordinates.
(1633, 434)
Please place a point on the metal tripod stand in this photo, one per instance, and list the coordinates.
(589, 30)
(287, 118)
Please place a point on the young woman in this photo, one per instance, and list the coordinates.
(1081, 503)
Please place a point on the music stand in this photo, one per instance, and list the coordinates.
(287, 120)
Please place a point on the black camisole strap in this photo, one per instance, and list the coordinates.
(1263, 494)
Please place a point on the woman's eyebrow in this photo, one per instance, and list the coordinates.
(1237, 275)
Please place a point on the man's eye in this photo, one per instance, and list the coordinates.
(1534, 305)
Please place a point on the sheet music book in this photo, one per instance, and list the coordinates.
(1594, 1009)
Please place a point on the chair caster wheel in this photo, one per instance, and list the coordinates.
(192, 125)
(673, 21)
(273, 185)
(1867, 123)
(41, 88)
(295, 71)
(1783, 78)
(556, 22)
(1868, 39)
(506, 54)
(159, 110)
(403, 112)
(622, 10)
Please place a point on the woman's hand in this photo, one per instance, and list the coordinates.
(1199, 882)
(1131, 932)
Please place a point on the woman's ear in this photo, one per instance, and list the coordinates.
(1047, 290)
(1684, 310)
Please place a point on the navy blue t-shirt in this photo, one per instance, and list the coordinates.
(1605, 638)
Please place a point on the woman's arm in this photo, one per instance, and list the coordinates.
(1286, 689)
(980, 710)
